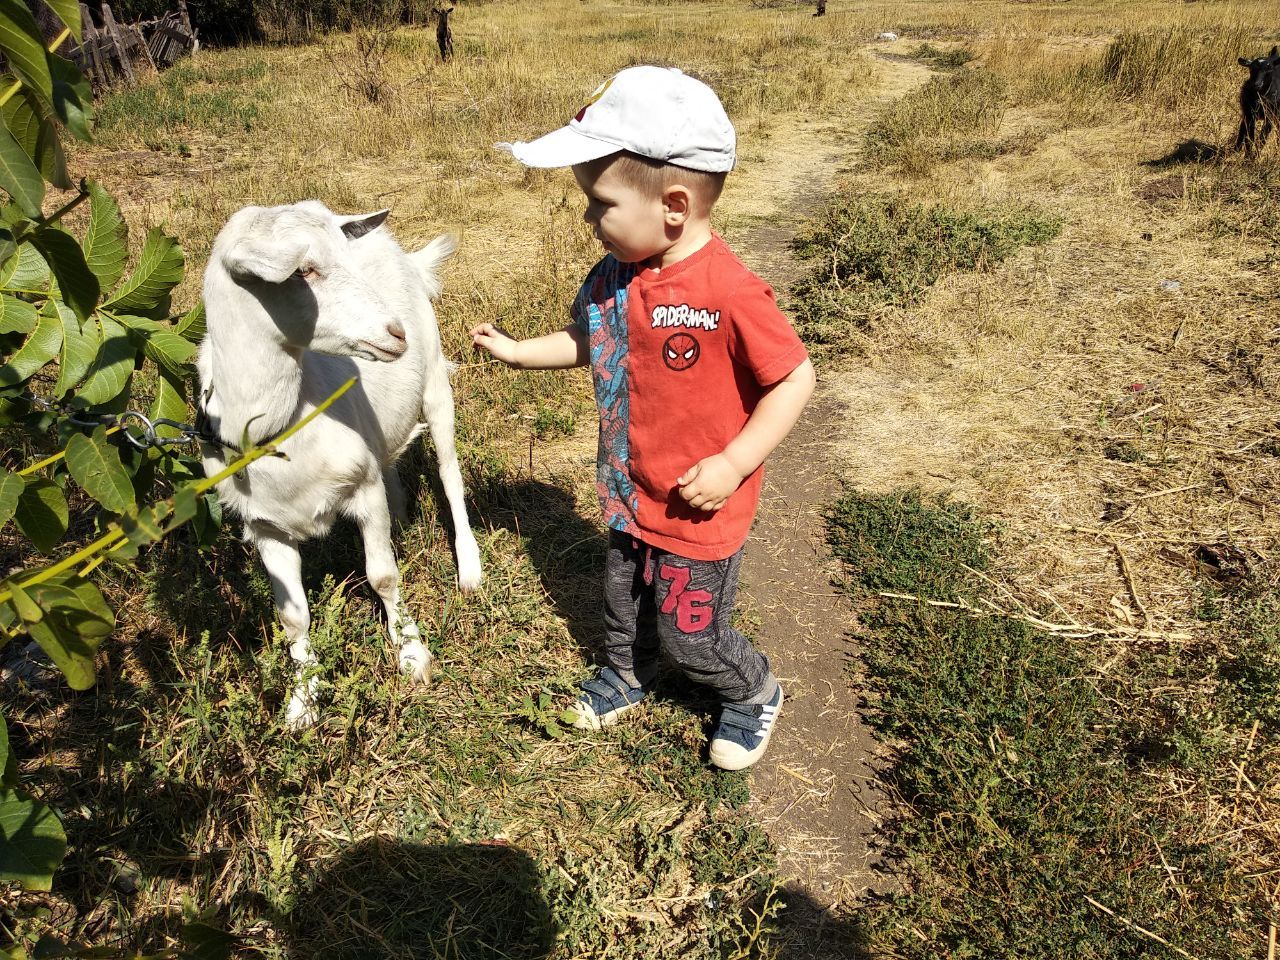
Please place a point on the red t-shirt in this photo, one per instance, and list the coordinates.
(679, 357)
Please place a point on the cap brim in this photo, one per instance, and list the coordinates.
(560, 148)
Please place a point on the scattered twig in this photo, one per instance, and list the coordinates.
(1074, 630)
(1142, 930)
(1133, 587)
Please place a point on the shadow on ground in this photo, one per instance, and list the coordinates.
(382, 898)
(1189, 151)
(567, 551)
(809, 931)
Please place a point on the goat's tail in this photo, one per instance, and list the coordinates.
(429, 259)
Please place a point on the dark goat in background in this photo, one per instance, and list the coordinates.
(1259, 99)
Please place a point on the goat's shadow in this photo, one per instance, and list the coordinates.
(1189, 151)
(382, 898)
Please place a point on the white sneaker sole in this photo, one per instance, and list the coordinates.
(728, 755)
(588, 719)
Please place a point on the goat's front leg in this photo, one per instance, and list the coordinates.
(374, 516)
(284, 567)
(437, 404)
(1244, 138)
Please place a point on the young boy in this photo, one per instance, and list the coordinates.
(698, 377)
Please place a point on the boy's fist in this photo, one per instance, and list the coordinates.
(709, 483)
(495, 341)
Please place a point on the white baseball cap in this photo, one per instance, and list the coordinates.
(657, 112)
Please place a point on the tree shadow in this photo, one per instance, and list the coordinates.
(567, 551)
(807, 930)
(382, 898)
(1189, 151)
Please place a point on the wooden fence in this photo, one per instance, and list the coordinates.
(114, 51)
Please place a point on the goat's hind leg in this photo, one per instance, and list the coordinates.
(374, 516)
(437, 406)
(280, 556)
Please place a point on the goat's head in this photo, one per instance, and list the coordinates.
(1262, 70)
(294, 262)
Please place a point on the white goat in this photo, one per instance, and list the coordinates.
(298, 300)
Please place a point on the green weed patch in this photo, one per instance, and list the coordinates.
(949, 118)
(938, 57)
(1026, 812)
(878, 251)
(181, 101)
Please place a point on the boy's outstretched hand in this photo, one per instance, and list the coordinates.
(494, 341)
(709, 483)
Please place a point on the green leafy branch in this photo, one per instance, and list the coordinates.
(69, 618)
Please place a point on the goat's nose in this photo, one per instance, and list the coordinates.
(396, 329)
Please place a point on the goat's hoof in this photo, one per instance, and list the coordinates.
(304, 708)
(415, 661)
(469, 575)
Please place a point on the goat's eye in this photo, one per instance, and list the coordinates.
(306, 273)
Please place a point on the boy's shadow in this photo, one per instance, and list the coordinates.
(382, 898)
(567, 551)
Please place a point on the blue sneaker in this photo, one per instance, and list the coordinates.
(605, 698)
(743, 732)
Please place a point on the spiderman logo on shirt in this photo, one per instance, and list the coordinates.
(681, 351)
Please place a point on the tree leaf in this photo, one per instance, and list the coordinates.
(75, 623)
(4, 746)
(42, 513)
(16, 316)
(80, 344)
(19, 176)
(159, 270)
(10, 490)
(77, 282)
(204, 942)
(68, 11)
(106, 242)
(40, 347)
(32, 842)
(95, 465)
(27, 272)
(72, 97)
(171, 351)
(28, 610)
(170, 402)
(23, 45)
(34, 130)
(112, 367)
(192, 324)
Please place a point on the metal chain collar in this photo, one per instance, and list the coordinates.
(137, 428)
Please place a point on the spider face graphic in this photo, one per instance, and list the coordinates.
(681, 351)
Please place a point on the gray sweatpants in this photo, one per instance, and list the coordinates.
(656, 601)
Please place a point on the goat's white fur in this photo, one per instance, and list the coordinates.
(298, 300)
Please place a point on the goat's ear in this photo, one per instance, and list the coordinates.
(1275, 53)
(274, 263)
(362, 223)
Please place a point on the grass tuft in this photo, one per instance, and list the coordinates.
(878, 251)
(937, 57)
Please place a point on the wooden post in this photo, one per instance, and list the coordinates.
(90, 56)
(115, 43)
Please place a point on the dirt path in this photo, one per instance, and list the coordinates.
(815, 790)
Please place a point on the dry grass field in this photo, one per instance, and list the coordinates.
(1069, 348)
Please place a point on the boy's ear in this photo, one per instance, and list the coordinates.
(677, 201)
